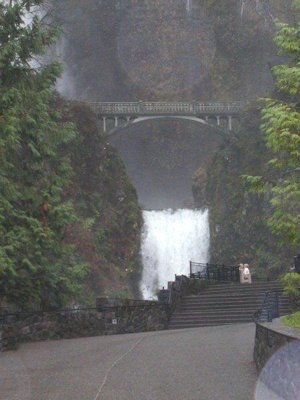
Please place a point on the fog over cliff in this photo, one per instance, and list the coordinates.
(167, 50)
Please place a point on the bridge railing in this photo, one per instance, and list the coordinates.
(270, 307)
(175, 291)
(164, 108)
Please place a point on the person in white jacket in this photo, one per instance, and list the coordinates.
(245, 275)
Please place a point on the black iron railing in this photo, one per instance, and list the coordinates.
(270, 307)
(214, 272)
(114, 304)
(176, 290)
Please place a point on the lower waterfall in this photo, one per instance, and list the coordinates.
(170, 240)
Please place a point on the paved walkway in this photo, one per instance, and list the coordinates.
(213, 363)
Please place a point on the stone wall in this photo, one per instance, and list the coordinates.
(143, 317)
(277, 358)
(267, 342)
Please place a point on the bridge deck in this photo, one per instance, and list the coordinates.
(165, 108)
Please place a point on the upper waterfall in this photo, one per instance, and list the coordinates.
(189, 5)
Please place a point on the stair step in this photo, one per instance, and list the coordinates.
(256, 296)
(249, 311)
(210, 321)
(181, 324)
(215, 320)
(219, 306)
(224, 304)
(241, 287)
(230, 292)
(201, 325)
(212, 302)
(236, 291)
(223, 297)
(217, 314)
(228, 310)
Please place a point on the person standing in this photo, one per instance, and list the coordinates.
(245, 275)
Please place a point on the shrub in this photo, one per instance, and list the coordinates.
(291, 284)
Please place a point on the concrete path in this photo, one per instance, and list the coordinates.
(213, 363)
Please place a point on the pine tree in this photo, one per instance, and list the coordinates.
(36, 266)
(281, 123)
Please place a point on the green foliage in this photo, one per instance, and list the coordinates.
(293, 321)
(36, 266)
(107, 234)
(255, 183)
(291, 284)
(237, 216)
(281, 123)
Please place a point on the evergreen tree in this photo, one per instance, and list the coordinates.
(281, 123)
(36, 266)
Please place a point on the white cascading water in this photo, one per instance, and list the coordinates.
(189, 6)
(170, 240)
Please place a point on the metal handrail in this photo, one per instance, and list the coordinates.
(270, 307)
(176, 289)
(212, 272)
(257, 315)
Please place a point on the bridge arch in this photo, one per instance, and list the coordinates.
(120, 125)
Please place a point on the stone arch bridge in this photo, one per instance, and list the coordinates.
(123, 114)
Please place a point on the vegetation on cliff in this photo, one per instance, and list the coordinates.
(281, 123)
(291, 282)
(237, 218)
(51, 194)
(107, 234)
(252, 225)
(35, 263)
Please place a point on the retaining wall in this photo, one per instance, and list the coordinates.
(277, 358)
(68, 324)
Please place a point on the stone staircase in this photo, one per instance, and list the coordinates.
(225, 303)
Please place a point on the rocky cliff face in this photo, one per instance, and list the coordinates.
(168, 49)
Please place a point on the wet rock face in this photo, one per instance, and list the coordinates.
(165, 46)
(168, 49)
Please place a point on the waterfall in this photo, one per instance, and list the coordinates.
(170, 241)
(260, 7)
(242, 9)
(189, 5)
